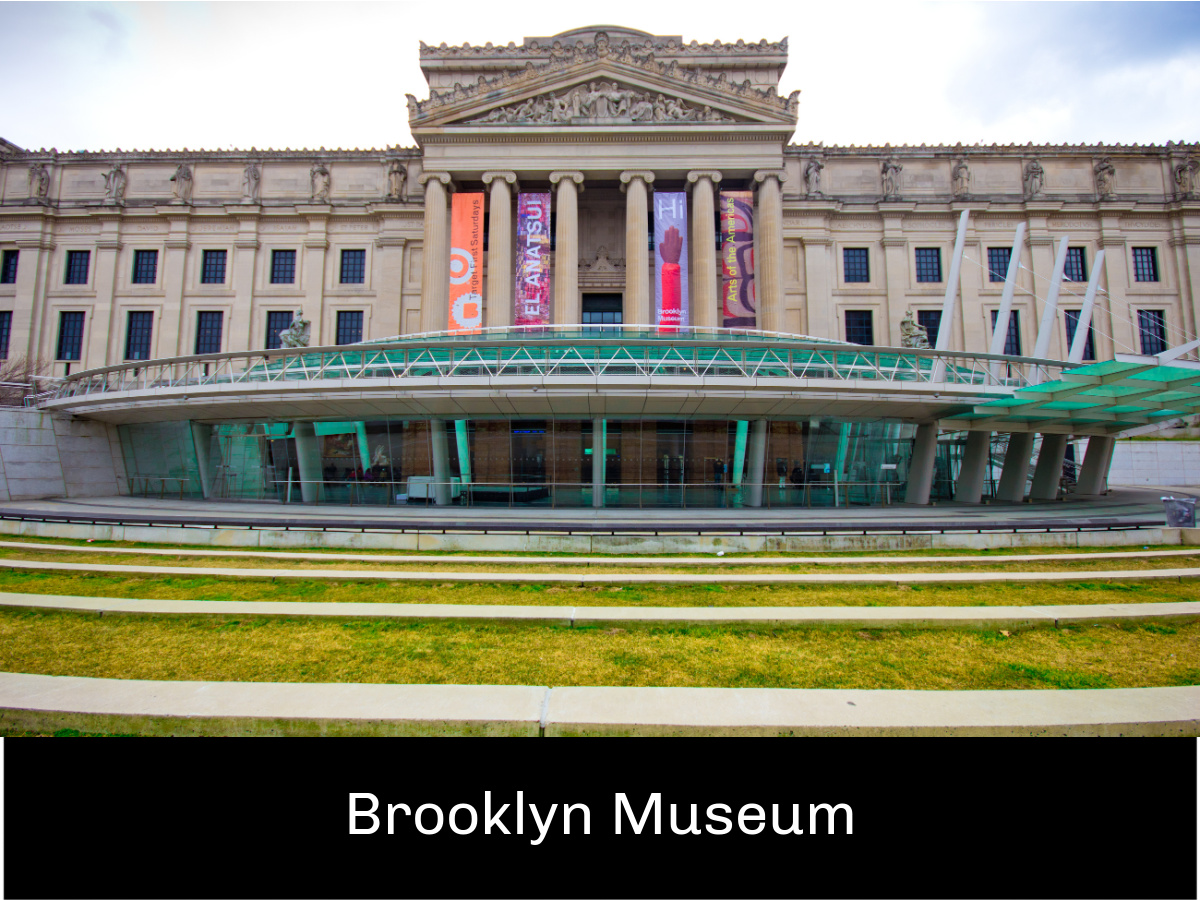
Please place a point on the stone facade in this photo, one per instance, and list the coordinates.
(601, 119)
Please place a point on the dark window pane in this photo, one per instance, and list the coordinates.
(1152, 325)
(998, 260)
(855, 264)
(5, 333)
(859, 327)
(70, 335)
(276, 322)
(1074, 270)
(137, 335)
(283, 267)
(77, 268)
(1145, 264)
(145, 266)
(8, 269)
(208, 332)
(931, 321)
(929, 264)
(349, 327)
(1012, 341)
(1089, 347)
(213, 271)
(354, 266)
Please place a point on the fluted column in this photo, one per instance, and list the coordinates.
(566, 247)
(768, 248)
(500, 249)
(639, 308)
(706, 301)
(435, 261)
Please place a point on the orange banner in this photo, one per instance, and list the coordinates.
(466, 263)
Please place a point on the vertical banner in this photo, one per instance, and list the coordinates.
(466, 263)
(531, 293)
(671, 261)
(737, 259)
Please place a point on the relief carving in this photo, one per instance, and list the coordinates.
(812, 177)
(39, 181)
(599, 102)
(396, 176)
(114, 184)
(1185, 177)
(1106, 178)
(320, 183)
(1035, 178)
(250, 183)
(182, 183)
(891, 178)
(961, 176)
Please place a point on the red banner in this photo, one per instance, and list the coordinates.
(466, 263)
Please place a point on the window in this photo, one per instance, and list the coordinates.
(137, 335)
(1089, 347)
(208, 332)
(1074, 269)
(5, 333)
(354, 266)
(77, 268)
(276, 322)
(1012, 341)
(213, 270)
(931, 321)
(998, 260)
(929, 264)
(602, 309)
(1145, 264)
(70, 333)
(1152, 324)
(859, 328)
(8, 268)
(349, 327)
(283, 267)
(855, 264)
(145, 266)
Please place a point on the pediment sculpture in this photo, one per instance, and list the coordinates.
(599, 101)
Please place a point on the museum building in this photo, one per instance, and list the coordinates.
(606, 277)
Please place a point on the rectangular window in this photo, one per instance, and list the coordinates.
(1145, 264)
(276, 322)
(283, 267)
(855, 265)
(349, 327)
(5, 333)
(137, 335)
(70, 334)
(1012, 341)
(8, 268)
(1074, 270)
(929, 264)
(1152, 325)
(145, 266)
(859, 327)
(77, 268)
(602, 309)
(213, 269)
(931, 320)
(998, 260)
(208, 332)
(354, 266)
(1089, 347)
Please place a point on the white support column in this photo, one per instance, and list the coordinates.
(500, 248)
(1000, 332)
(705, 302)
(950, 301)
(1093, 475)
(920, 467)
(758, 462)
(201, 439)
(639, 310)
(598, 451)
(440, 451)
(435, 260)
(1016, 467)
(566, 247)
(1048, 471)
(308, 460)
(1084, 323)
(971, 476)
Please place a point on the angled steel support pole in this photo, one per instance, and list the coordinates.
(1000, 331)
(1084, 323)
(946, 326)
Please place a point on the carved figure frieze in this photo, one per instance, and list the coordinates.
(890, 170)
(181, 183)
(960, 175)
(39, 181)
(913, 335)
(1035, 178)
(250, 183)
(1106, 178)
(599, 101)
(1186, 177)
(114, 184)
(396, 176)
(320, 183)
(649, 45)
(812, 177)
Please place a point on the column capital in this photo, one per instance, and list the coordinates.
(444, 177)
(762, 175)
(711, 174)
(577, 177)
(510, 177)
(627, 177)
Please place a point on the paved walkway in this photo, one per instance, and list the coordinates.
(863, 617)
(614, 578)
(44, 702)
(663, 561)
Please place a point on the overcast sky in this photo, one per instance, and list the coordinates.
(217, 75)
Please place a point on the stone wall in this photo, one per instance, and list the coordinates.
(1166, 463)
(44, 455)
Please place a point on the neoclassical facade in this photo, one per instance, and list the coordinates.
(116, 257)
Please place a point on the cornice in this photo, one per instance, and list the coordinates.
(1014, 150)
(534, 49)
(119, 156)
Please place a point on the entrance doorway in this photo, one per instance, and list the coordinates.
(603, 309)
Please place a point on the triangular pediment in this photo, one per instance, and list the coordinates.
(603, 91)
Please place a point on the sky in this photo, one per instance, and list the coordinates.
(98, 76)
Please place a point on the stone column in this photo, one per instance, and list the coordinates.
(500, 249)
(566, 247)
(316, 251)
(920, 466)
(32, 270)
(202, 439)
(308, 460)
(1016, 467)
(435, 260)
(639, 308)
(1096, 462)
(105, 331)
(598, 460)
(440, 450)
(757, 462)
(706, 299)
(768, 248)
(245, 260)
(969, 488)
(1049, 467)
